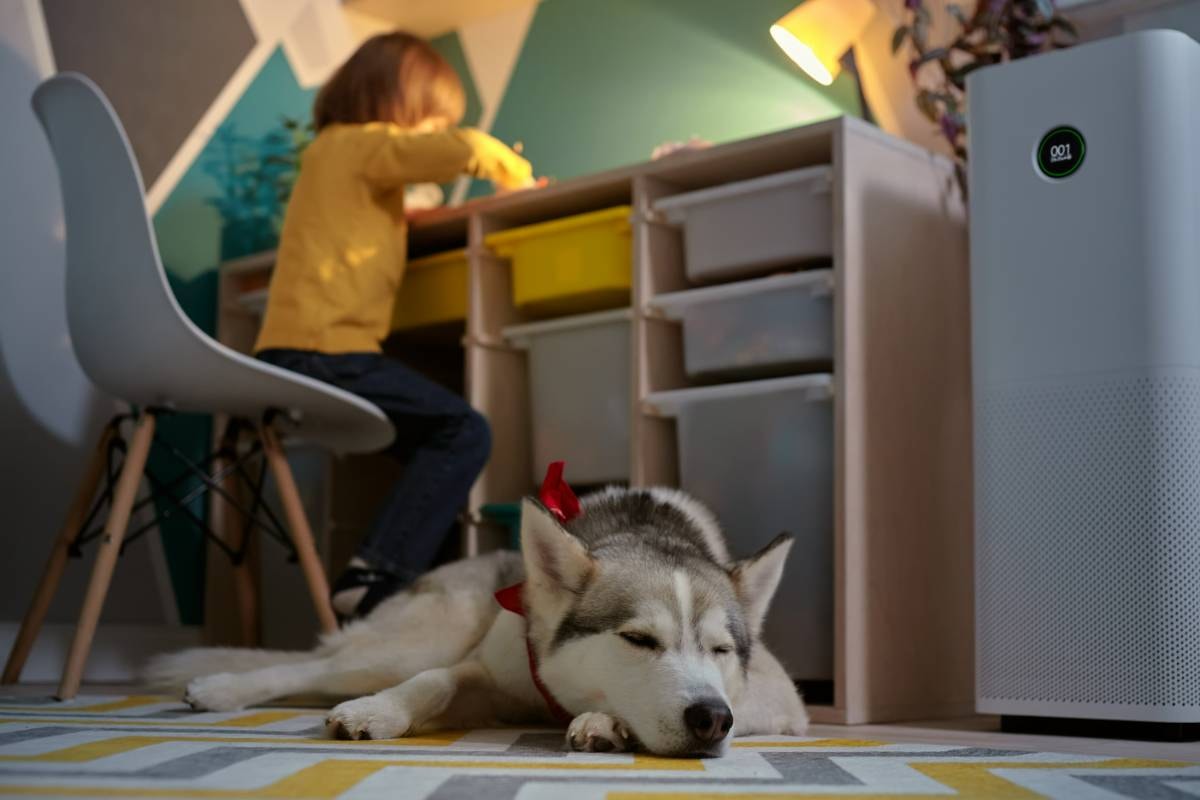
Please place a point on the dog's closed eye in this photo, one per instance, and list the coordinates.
(639, 639)
(722, 649)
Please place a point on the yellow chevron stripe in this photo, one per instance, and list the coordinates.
(967, 780)
(261, 718)
(978, 780)
(813, 743)
(120, 704)
(247, 721)
(90, 751)
(335, 776)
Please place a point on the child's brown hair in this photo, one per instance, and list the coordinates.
(393, 77)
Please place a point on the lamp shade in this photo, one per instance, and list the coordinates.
(817, 33)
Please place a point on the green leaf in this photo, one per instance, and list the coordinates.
(961, 73)
(933, 55)
(898, 38)
(919, 31)
(927, 105)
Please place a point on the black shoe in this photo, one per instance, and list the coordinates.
(380, 586)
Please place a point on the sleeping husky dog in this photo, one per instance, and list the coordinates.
(638, 630)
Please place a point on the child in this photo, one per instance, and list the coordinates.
(385, 119)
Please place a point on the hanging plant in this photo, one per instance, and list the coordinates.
(297, 136)
(995, 32)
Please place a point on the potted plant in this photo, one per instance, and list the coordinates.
(255, 176)
(995, 32)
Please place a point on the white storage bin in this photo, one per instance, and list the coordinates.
(758, 328)
(579, 372)
(760, 455)
(752, 227)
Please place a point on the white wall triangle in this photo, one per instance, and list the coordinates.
(491, 47)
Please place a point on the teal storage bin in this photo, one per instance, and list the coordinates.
(507, 515)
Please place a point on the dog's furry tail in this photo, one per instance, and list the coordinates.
(173, 671)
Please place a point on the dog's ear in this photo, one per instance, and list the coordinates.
(756, 579)
(555, 561)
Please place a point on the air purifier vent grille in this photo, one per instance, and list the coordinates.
(1088, 542)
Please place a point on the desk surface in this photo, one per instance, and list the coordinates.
(447, 227)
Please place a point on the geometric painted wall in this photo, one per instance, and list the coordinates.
(599, 85)
(584, 85)
(178, 56)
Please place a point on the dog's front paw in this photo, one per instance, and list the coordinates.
(370, 717)
(597, 732)
(219, 692)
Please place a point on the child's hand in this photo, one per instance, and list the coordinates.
(497, 162)
(533, 184)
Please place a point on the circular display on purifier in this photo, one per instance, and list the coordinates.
(1061, 151)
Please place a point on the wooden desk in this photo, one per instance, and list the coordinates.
(904, 642)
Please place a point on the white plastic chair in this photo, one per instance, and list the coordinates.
(134, 342)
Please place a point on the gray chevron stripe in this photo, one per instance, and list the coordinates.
(795, 767)
(551, 744)
(222, 755)
(170, 715)
(817, 767)
(29, 701)
(13, 737)
(1143, 787)
(253, 753)
(317, 731)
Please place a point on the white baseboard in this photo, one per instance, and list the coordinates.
(118, 651)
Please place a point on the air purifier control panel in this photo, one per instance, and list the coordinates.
(1060, 152)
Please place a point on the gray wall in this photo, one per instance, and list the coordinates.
(1183, 16)
(160, 63)
(49, 413)
(1098, 19)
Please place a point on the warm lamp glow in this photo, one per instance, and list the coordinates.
(802, 54)
(817, 33)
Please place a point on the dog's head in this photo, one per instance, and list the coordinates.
(660, 641)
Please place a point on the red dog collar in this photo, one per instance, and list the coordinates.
(558, 498)
(510, 600)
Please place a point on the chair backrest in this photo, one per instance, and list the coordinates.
(121, 313)
(129, 334)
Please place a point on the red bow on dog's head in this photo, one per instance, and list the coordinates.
(557, 496)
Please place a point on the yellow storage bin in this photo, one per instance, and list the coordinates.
(433, 292)
(571, 265)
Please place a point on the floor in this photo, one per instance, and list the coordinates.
(117, 741)
(968, 731)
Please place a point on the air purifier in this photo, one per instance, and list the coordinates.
(1085, 271)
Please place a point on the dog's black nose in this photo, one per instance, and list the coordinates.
(709, 720)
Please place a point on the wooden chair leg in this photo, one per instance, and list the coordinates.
(31, 625)
(106, 556)
(233, 530)
(245, 586)
(302, 536)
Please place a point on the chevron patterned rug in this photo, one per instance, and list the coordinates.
(142, 746)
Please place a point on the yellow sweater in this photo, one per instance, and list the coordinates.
(342, 251)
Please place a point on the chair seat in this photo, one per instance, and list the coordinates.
(201, 375)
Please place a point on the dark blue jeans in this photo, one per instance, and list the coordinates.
(442, 441)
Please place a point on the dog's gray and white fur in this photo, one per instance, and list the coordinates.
(643, 627)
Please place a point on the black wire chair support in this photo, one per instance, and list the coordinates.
(247, 466)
